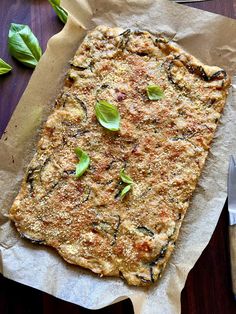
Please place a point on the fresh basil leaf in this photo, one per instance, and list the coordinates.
(4, 67)
(61, 13)
(54, 2)
(125, 191)
(84, 162)
(155, 92)
(125, 178)
(23, 45)
(107, 115)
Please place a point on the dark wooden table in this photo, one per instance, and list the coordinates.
(208, 287)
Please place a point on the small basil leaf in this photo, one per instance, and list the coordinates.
(125, 178)
(125, 191)
(155, 92)
(61, 13)
(23, 45)
(54, 2)
(83, 164)
(4, 67)
(107, 115)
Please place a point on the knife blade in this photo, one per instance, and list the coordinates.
(189, 1)
(232, 191)
(232, 219)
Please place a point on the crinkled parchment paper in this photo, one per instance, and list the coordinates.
(209, 37)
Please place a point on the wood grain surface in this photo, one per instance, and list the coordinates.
(208, 287)
(232, 248)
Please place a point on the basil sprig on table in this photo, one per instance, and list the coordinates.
(126, 179)
(155, 92)
(83, 164)
(61, 13)
(23, 45)
(107, 115)
(4, 67)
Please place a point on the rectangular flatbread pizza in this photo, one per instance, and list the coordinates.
(120, 155)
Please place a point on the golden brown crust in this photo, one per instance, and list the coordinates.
(161, 144)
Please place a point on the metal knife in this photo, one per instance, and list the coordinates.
(232, 219)
(189, 1)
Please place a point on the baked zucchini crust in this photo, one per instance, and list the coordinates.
(162, 145)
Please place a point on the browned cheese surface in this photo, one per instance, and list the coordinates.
(161, 144)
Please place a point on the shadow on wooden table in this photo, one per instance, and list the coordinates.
(16, 298)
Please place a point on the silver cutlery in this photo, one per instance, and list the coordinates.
(232, 219)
